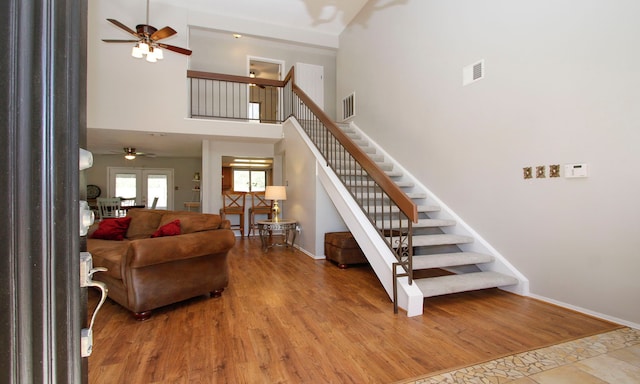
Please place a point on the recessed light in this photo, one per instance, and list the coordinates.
(237, 35)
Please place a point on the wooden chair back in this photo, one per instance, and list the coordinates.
(233, 203)
(259, 206)
(108, 207)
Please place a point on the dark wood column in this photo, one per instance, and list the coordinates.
(43, 82)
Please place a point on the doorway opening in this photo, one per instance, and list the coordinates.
(265, 100)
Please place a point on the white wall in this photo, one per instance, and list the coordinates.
(307, 201)
(561, 86)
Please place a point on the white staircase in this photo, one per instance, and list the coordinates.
(437, 244)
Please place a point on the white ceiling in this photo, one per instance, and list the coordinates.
(326, 16)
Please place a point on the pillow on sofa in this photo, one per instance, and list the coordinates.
(169, 229)
(112, 229)
(144, 222)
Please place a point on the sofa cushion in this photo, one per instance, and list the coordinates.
(108, 254)
(144, 222)
(112, 229)
(169, 229)
(192, 221)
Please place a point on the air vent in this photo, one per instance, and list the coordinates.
(349, 107)
(472, 73)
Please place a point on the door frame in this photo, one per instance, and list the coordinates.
(281, 64)
(44, 85)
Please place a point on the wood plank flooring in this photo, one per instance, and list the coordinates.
(286, 318)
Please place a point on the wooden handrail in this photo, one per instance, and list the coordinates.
(404, 203)
(234, 78)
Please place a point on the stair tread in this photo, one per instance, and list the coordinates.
(443, 260)
(401, 184)
(385, 166)
(421, 209)
(422, 223)
(442, 285)
(390, 173)
(378, 196)
(440, 239)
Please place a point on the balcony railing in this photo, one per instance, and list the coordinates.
(220, 96)
(388, 208)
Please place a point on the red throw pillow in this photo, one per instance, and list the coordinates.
(112, 229)
(169, 229)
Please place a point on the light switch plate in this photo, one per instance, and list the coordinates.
(576, 170)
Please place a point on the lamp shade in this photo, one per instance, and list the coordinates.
(275, 192)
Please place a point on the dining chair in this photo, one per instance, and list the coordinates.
(259, 206)
(109, 207)
(233, 204)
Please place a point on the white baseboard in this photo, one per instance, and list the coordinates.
(587, 311)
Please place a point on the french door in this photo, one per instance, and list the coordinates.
(142, 185)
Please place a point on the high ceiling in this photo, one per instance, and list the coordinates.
(326, 16)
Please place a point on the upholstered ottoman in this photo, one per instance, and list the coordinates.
(343, 249)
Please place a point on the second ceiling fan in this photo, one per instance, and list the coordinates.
(147, 38)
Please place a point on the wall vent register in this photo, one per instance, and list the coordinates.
(473, 72)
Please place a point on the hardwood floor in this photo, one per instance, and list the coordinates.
(286, 318)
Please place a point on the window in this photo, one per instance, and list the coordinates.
(246, 180)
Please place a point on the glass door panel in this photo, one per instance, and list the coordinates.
(142, 186)
(157, 186)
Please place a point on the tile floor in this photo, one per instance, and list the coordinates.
(611, 357)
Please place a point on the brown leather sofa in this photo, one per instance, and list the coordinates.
(145, 273)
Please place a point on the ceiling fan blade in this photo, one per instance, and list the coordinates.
(163, 33)
(173, 48)
(123, 27)
(119, 41)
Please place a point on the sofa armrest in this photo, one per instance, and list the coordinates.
(225, 224)
(151, 251)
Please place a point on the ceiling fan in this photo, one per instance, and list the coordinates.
(147, 38)
(130, 153)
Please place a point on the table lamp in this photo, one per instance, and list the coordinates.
(275, 193)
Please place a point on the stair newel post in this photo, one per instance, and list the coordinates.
(410, 250)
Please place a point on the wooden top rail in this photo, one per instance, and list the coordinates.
(234, 78)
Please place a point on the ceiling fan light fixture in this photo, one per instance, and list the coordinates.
(151, 57)
(136, 52)
(130, 153)
(159, 53)
(144, 47)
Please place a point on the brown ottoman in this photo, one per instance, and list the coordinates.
(342, 248)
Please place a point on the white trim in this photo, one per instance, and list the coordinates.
(586, 311)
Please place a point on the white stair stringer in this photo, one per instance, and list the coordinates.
(503, 273)
(373, 246)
